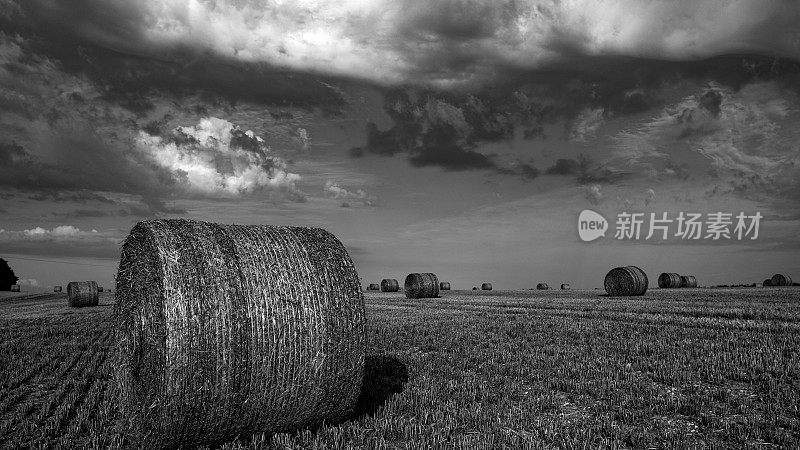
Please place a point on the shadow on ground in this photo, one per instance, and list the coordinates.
(384, 376)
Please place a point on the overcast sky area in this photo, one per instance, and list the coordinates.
(456, 137)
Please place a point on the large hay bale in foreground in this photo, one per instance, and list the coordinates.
(542, 286)
(486, 286)
(82, 293)
(767, 282)
(629, 280)
(224, 330)
(688, 281)
(780, 279)
(373, 287)
(14, 288)
(56, 288)
(421, 285)
(389, 285)
(669, 280)
(444, 286)
(565, 287)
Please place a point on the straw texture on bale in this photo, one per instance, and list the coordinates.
(14, 288)
(82, 293)
(542, 286)
(780, 279)
(56, 288)
(444, 286)
(565, 287)
(486, 286)
(421, 285)
(373, 287)
(688, 281)
(390, 285)
(223, 330)
(629, 280)
(767, 282)
(668, 280)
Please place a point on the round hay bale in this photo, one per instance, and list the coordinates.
(373, 287)
(444, 286)
(767, 282)
(56, 288)
(629, 280)
(82, 293)
(389, 285)
(688, 281)
(542, 286)
(565, 287)
(474, 288)
(486, 286)
(14, 288)
(421, 285)
(669, 280)
(225, 330)
(780, 279)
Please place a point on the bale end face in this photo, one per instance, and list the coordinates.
(421, 285)
(625, 281)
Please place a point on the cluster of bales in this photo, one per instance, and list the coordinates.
(778, 280)
(79, 293)
(252, 328)
(671, 280)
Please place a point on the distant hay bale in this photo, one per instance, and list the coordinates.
(474, 288)
(780, 279)
(486, 286)
(421, 285)
(225, 330)
(373, 287)
(56, 288)
(14, 288)
(99, 288)
(82, 293)
(542, 286)
(629, 280)
(767, 282)
(389, 285)
(565, 287)
(444, 286)
(669, 280)
(688, 281)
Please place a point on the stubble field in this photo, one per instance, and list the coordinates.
(514, 369)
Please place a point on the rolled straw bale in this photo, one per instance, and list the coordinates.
(56, 288)
(474, 288)
(767, 282)
(486, 286)
(99, 288)
(373, 287)
(444, 286)
(565, 287)
(780, 279)
(14, 288)
(668, 280)
(224, 330)
(688, 281)
(82, 293)
(421, 285)
(542, 286)
(629, 280)
(390, 285)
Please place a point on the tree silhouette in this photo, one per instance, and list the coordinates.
(7, 276)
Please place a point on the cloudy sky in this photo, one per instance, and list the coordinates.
(458, 137)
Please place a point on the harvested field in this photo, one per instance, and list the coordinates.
(474, 369)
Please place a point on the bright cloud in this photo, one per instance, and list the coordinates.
(217, 158)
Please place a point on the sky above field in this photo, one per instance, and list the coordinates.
(457, 137)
